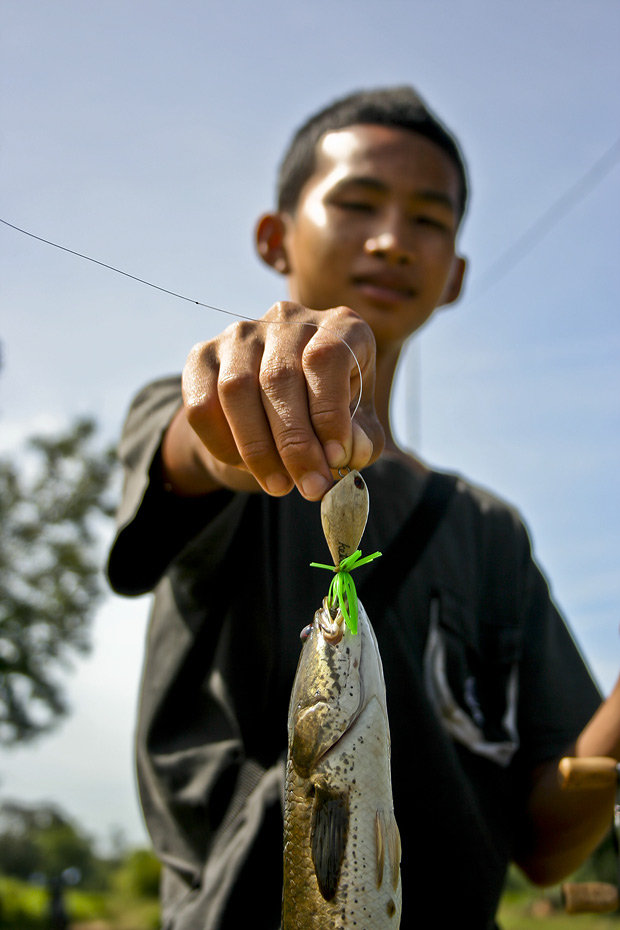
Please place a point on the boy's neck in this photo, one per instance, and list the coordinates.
(385, 372)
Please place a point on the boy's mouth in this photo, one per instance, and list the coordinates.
(385, 288)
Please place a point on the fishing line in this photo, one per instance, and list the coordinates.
(197, 303)
(546, 221)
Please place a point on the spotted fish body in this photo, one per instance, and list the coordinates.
(341, 842)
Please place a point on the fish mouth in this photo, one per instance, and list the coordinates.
(331, 623)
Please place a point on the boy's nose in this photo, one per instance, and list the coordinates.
(390, 247)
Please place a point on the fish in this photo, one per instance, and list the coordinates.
(342, 847)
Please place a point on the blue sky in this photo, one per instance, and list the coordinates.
(146, 134)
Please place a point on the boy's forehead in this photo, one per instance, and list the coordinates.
(356, 145)
(370, 149)
(345, 143)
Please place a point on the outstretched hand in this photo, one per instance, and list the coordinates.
(269, 403)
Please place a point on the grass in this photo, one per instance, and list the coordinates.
(24, 907)
(21, 905)
(533, 909)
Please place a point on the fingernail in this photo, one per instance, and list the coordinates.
(277, 484)
(335, 454)
(314, 485)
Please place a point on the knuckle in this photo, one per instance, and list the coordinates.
(201, 352)
(346, 332)
(275, 375)
(226, 454)
(347, 318)
(240, 331)
(348, 313)
(199, 373)
(319, 353)
(295, 444)
(353, 320)
(234, 385)
(283, 310)
(326, 417)
(201, 410)
(255, 452)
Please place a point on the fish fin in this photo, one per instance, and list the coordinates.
(330, 828)
(312, 737)
(394, 848)
(380, 842)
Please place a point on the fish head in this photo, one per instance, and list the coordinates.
(328, 692)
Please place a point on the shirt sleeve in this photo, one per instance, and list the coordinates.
(558, 695)
(153, 525)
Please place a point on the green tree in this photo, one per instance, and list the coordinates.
(139, 874)
(51, 507)
(42, 839)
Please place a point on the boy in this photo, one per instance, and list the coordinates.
(485, 688)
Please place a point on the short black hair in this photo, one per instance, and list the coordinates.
(398, 107)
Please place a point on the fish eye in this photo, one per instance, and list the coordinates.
(305, 633)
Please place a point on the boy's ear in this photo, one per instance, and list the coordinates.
(454, 283)
(270, 236)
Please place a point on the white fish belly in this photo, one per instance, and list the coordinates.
(369, 893)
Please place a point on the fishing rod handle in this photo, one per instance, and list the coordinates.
(588, 772)
(589, 897)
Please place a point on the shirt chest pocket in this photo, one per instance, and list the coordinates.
(471, 674)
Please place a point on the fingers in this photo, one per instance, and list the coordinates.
(202, 404)
(284, 398)
(339, 366)
(224, 409)
(274, 400)
(363, 450)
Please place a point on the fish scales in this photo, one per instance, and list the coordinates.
(341, 842)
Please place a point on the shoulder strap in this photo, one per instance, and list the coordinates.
(404, 551)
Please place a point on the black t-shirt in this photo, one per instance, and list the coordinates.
(483, 682)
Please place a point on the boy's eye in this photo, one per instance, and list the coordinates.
(432, 221)
(358, 206)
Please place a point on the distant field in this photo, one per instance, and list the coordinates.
(23, 907)
(534, 909)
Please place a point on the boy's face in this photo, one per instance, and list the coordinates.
(375, 230)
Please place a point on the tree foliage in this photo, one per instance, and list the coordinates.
(139, 874)
(42, 840)
(51, 503)
(40, 843)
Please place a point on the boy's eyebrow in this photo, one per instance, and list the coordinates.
(361, 181)
(434, 196)
(429, 195)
